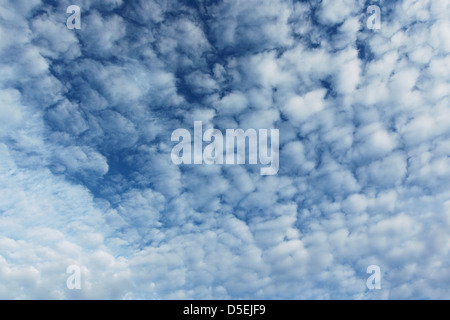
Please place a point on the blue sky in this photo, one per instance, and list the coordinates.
(86, 118)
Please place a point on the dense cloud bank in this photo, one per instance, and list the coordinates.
(86, 177)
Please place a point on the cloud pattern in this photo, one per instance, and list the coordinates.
(86, 178)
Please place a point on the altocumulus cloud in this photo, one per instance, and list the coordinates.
(86, 178)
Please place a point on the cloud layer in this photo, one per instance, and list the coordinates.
(86, 118)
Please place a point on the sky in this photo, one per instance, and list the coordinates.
(86, 177)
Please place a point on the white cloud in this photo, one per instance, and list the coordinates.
(10, 110)
(333, 12)
(300, 108)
